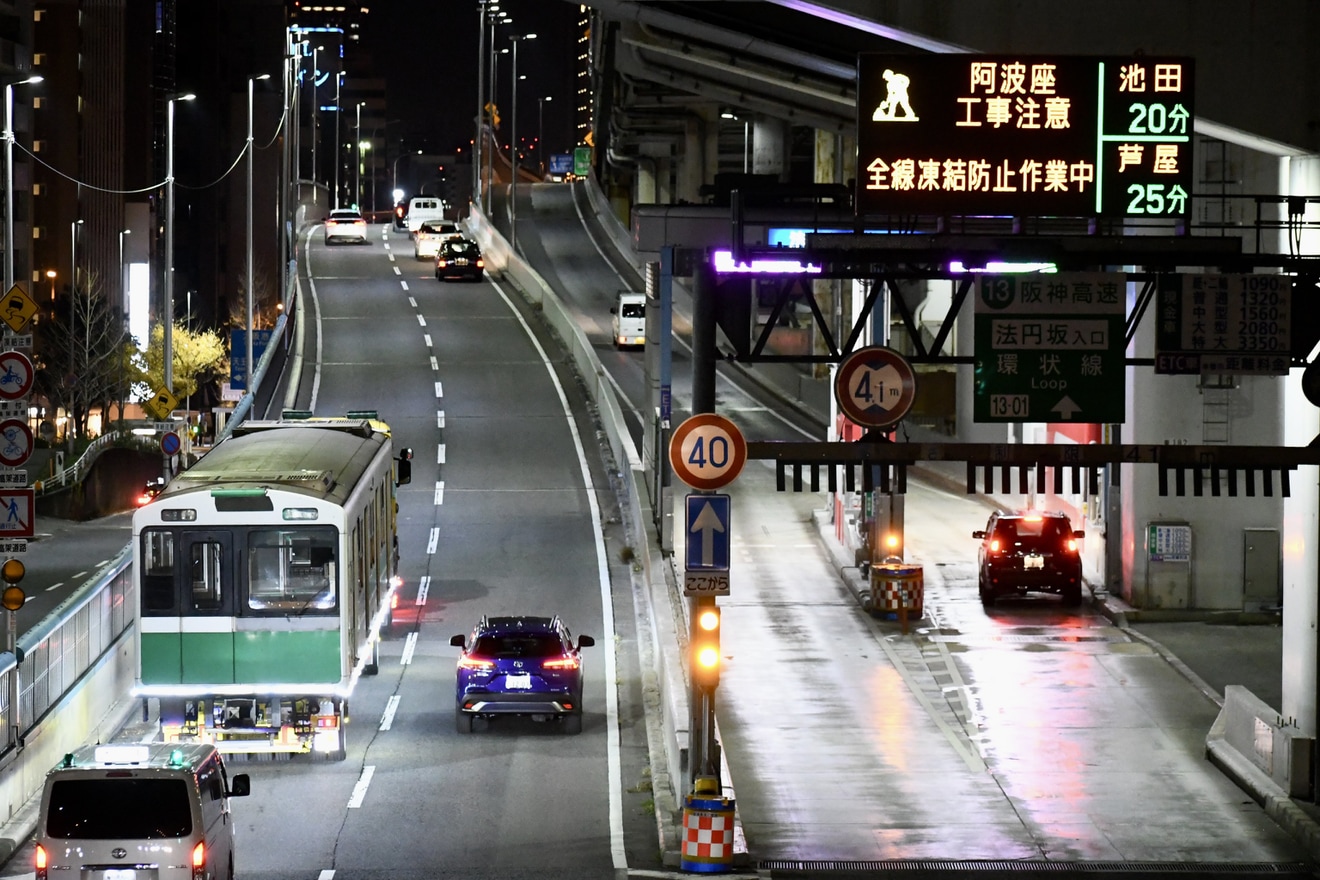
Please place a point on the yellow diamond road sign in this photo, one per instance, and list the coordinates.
(17, 308)
(160, 405)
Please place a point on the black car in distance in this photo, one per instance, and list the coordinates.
(459, 258)
(1029, 551)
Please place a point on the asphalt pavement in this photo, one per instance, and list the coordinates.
(1211, 650)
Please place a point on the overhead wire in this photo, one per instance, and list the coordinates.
(156, 186)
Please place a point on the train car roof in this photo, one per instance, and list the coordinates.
(322, 459)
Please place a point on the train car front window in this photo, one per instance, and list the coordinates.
(157, 570)
(293, 570)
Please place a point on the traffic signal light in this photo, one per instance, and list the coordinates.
(706, 644)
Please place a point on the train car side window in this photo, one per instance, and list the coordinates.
(205, 592)
(157, 570)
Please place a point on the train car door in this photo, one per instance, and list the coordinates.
(207, 603)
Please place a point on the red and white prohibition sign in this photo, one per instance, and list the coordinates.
(875, 386)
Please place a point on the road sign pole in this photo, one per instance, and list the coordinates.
(703, 338)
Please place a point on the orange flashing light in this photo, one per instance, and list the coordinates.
(199, 856)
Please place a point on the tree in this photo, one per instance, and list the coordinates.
(198, 356)
(79, 350)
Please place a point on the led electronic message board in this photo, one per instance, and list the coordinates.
(1075, 136)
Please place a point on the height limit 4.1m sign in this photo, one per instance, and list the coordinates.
(1049, 348)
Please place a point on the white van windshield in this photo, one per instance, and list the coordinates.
(118, 809)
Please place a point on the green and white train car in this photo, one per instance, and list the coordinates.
(266, 573)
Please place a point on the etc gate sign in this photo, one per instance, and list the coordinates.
(1050, 348)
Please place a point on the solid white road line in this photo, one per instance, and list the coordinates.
(614, 761)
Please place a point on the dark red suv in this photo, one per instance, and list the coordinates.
(1029, 551)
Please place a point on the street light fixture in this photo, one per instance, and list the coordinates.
(169, 240)
(9, 177)
(50, 273)
(513, 144)
(250, 159)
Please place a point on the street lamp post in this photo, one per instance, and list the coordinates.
(540, 132)
(481, 103)
(169, 241)
(513, 143)
(73, 306)
(357, 156)
(498, 18)
(9, 178)
(50, 274)
(339, 81)
(123, 285)
(250, 159)
(316, 51)
(395, 175)
(365, 147)
(73, 275)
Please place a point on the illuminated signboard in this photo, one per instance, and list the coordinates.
(1024, 135)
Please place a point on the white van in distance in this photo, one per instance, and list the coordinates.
(629, 322)
(424, 209)
(158, 811)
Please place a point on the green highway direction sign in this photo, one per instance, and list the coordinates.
(1049, 348)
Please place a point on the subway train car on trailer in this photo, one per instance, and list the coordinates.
(265, 576)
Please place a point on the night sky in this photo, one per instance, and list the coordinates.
(427, 53)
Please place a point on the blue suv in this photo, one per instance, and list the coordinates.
(520, 666)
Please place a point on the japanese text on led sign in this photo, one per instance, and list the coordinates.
(1073, 136)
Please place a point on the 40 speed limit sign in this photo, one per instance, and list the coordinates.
(707, 451)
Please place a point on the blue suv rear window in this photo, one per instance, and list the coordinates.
(518, 646)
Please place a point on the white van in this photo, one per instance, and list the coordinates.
(159, 811)
(424, 209)
(629, 322)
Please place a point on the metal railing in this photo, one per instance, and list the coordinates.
(53, 655)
